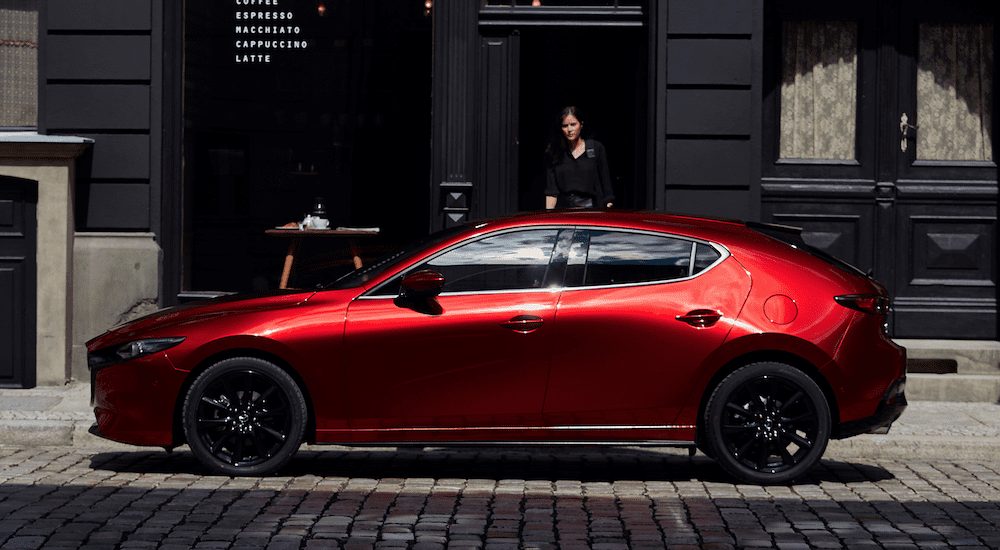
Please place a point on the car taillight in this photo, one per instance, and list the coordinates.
(868, 303)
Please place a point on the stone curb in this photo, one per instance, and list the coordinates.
(55, 433)
(35, 433)
(61, 416)
(887, 447)
(45, 433)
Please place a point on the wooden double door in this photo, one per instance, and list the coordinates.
(879, 141)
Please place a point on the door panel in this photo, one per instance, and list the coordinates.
(946, 178)
(469, 366)
(923, 191)
(946, 272)
(12, 341)
(18, 203)
(843, 230)
(623, 358)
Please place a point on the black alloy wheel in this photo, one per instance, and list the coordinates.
(767, 423)
(244, 416)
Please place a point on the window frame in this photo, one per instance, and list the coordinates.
(863, 165)
(719, 248)
(377, 291)
(39, 74)
(908, 166)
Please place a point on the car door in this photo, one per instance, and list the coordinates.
(480, 359)
(640, 314)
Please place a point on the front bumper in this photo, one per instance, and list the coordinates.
(134, 401)
(889, 409)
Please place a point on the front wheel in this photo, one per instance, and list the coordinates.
(244, 416)
(767, 423)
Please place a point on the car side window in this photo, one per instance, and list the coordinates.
(509, 261)
(618, 257)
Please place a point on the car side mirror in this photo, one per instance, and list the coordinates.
(422, 284)
(418, 291)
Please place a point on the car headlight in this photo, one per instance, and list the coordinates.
(132, 350)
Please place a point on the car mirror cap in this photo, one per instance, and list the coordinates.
(424, 283)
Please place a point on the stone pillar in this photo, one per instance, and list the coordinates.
(454, 92)
(50, 161)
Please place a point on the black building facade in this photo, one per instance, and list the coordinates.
(869, 124)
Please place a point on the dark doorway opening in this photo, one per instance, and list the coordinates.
(18, 286)
(602, 71)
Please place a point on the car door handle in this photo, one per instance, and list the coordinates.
(700, 318)
(524, 323)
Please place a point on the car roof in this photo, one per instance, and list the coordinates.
(694, 226)
(733, 234)
(613, 217)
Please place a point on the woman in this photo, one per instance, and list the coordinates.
(577, 172)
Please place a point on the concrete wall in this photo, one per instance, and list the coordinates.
(116, 278)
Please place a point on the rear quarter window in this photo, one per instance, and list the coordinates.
(704, 257)
(619, 257)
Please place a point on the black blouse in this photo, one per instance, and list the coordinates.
(587, 175)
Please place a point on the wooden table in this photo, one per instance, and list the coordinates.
(297, 235)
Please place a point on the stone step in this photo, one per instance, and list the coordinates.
(960, 371)
(956, 388)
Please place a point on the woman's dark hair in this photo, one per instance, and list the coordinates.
(556, 147)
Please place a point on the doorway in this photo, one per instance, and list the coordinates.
(600, 70)
(529, 74)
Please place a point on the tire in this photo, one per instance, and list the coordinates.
(244, 417)
(767, 423)
(705, 449)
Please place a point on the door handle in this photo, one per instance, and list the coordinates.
(524, 323)
(700, 318)
(903, 127)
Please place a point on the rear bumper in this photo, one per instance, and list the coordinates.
(889, 409)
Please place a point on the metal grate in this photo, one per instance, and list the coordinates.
(932, 366)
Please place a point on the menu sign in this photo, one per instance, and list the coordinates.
(264, 27)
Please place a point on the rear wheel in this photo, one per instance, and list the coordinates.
(244, 416)
(767, 423)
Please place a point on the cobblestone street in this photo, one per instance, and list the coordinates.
(475, 498)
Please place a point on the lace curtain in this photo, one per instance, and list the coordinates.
(955, 92)
(18, 63)
(819, 90)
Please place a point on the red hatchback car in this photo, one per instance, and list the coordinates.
(586, 327)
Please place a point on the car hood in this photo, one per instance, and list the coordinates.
(199, 311)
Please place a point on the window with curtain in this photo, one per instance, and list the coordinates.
(955, 92)
(18, 63)
(819, 85)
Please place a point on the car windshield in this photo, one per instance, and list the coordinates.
(360, 276)
(793, 236)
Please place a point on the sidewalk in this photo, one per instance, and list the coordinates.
(928, 429)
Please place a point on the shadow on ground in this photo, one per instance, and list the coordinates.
(527, 463)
